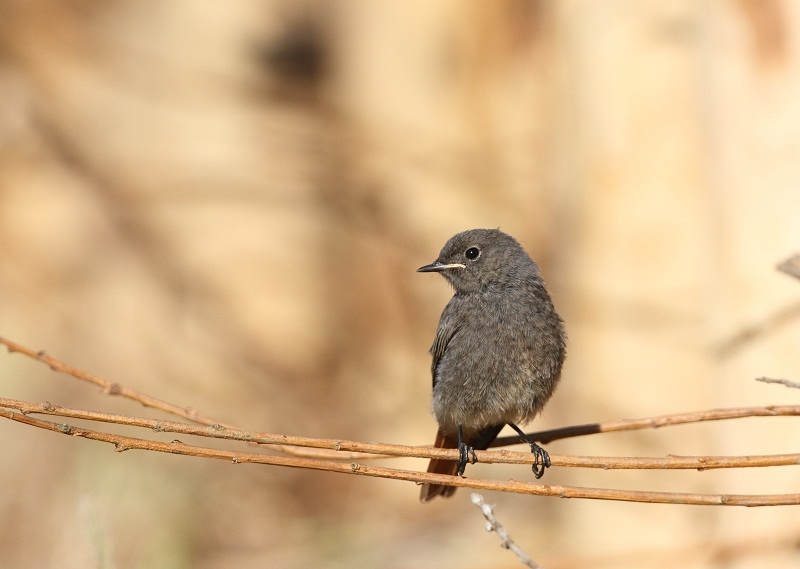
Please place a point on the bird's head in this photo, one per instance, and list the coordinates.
(481, 259)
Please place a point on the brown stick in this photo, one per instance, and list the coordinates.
(489, 457)
(122, 443)
(544, 437)
(113, 388)
(654, 422)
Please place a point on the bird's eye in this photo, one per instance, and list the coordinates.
(472, 253)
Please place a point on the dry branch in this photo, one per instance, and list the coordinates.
(113, 388)
(122, 443)
(654, 422)
(339, 449)
(786, 382)
(110, 387)
(492, 524)
(427, 452)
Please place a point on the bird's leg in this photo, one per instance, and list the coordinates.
(541, 458)
(466, 454)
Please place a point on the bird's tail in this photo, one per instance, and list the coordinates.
(481, 441)
(439, 466)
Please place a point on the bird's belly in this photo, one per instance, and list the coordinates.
(476, 400)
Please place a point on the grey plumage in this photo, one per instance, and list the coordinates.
(499, 347)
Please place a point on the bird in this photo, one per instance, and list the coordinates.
(498, 350)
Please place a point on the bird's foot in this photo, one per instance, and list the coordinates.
(466, 454)
(541, 460)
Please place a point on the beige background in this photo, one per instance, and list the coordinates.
(223, 205)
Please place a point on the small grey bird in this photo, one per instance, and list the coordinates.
(498, 350)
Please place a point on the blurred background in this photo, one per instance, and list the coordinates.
(224, 204)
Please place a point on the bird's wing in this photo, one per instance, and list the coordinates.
(448, 327)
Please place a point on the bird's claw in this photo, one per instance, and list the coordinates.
(541, 460)
(466, 454)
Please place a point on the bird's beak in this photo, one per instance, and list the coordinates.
(438, 267)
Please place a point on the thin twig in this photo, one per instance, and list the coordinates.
(381, 449)
(785, 382)
(654, 422)
(505, 539)
(113, 388)
(122, 443)
(336, 447)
